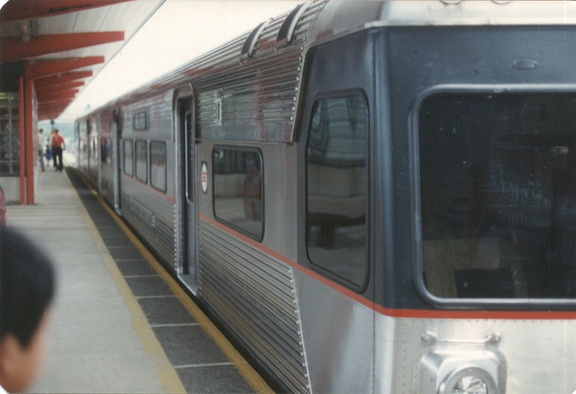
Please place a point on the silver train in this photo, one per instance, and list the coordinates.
(370, 197)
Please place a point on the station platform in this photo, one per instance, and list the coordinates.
(121, 324)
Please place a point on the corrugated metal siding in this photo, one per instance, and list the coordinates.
(258, 92)
(82, 146)
(158, 108)
(93, 151)
(152, 216)
(152, 213)
(106, 170)
(258, 95)
(254, 294)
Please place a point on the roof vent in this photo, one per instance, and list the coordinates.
(250, 43)
(286, 31)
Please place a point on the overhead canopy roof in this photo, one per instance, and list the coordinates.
(65, 43)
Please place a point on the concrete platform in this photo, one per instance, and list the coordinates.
(120, 325)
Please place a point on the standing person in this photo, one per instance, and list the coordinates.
(27, 287)
(57, 146)
(48, 155)
(40, 147)
(52, 149)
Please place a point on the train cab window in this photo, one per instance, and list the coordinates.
(128, 147)
(498, 195)
(336, 171)
(158, 165)
(141, 147)
(238, 189)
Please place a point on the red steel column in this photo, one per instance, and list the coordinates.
(21, 137)
(31, 121)
(27, 148)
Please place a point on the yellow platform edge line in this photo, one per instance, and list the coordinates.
(166, 373)
(252, 377)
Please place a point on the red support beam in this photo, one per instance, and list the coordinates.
(19, 10)
(13, 49)
(28, 119)
(53, 93)
(53, 110)
(22, 124)
(46, 116)
(30, 130)
(54, 80)
(53, 113)
(49, 97)
(59, 87)
(57, 101)
(47, 68)
(50, 106)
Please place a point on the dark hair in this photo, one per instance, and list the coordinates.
(27, 285)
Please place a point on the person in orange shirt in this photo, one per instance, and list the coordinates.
(57, 143)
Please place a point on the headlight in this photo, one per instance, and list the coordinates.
(469, 380)
(458, 367)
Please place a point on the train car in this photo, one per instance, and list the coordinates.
(369, 196)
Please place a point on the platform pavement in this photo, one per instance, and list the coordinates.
(100, 339)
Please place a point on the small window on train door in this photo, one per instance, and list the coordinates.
(158, 165)
(337, 189)
(128, 148)
(238, 189)
(141, 148)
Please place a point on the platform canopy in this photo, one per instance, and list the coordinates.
(49, 51)
(62, 44)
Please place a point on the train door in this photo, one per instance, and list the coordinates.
(116, 160)
(186, 170)
(88, 149)
(93, 153)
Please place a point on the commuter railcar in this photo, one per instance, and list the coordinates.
(369, 196)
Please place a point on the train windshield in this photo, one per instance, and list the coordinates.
(498, 194)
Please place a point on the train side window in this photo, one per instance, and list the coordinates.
(158, 165)
(336, 195)
(128, 148)
(238, 189)
(141, 147)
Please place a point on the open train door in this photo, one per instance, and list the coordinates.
(186, 191)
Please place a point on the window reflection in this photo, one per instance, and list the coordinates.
(128, 157)
(498, 189)
(142, 160)
(158, 165)
(336, 187)
(238, 189)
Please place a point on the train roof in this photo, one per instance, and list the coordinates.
(319, 21)
(342, 17)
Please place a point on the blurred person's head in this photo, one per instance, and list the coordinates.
(27, 286)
